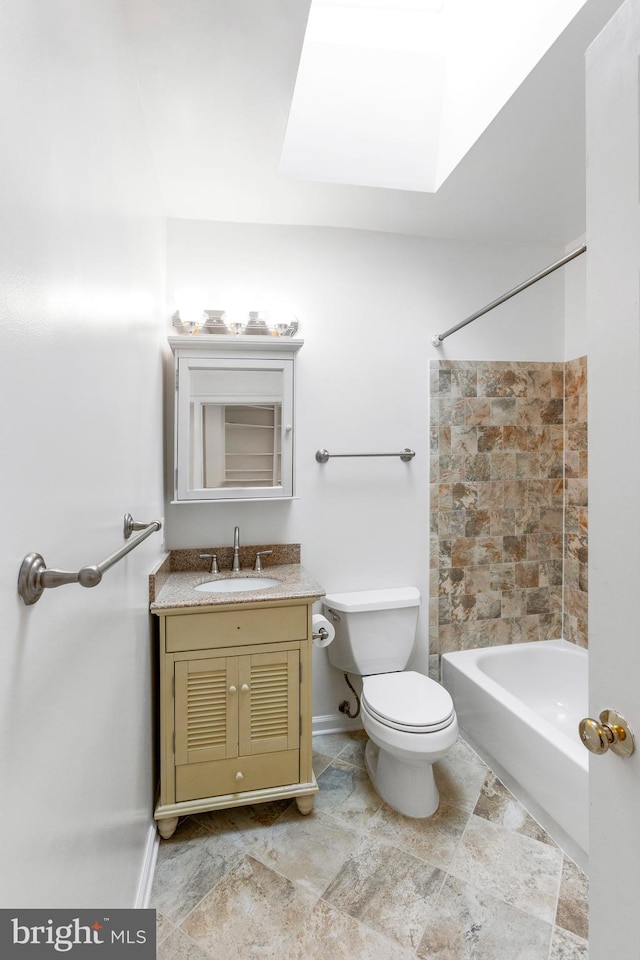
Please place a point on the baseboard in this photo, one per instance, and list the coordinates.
(334, 723)
(148, 868)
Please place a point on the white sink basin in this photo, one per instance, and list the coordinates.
(237, 584)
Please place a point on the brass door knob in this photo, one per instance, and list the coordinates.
(610, 733)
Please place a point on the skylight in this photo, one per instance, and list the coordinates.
(394, 94)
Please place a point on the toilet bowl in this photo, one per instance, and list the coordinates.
(410, 720)
(411, 723)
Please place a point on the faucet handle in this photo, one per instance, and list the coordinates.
(214, 561)
(258, 564)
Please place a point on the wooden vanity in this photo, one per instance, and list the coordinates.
(234, 698)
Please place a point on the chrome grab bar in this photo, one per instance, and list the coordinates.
(35, 577)
(323, 455)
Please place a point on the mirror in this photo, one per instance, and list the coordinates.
(240, 445)
(234, 427)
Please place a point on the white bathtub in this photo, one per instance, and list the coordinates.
(519, 707)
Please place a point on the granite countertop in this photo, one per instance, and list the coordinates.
(178, 587)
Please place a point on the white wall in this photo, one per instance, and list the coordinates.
(368, 305)
(81, 281)
(575, 303)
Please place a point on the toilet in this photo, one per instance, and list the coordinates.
(409, 719)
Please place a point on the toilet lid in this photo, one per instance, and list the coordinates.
(408, 701)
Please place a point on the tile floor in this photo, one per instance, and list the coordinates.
(480, 880)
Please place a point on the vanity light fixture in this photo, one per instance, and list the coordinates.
(219, 322)
(190, 314)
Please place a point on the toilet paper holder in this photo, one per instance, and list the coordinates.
(322, 631)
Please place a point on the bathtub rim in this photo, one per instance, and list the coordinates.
(469, 660)
(464, 663)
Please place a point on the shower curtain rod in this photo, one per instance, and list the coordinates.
(439, 337)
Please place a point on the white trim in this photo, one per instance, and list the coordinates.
(148, 868)
(255, 345)
(334, 723)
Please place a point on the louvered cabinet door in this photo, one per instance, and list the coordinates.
(236, 724)
(206, 710)
(269, 697)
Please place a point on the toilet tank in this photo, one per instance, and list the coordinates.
(375, 629)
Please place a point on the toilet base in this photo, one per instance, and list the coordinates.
(407, 786)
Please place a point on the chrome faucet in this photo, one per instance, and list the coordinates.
(259, 555)
(214, 561)
(236, 550)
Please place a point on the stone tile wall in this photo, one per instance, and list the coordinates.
(497, 502)
(576, 503)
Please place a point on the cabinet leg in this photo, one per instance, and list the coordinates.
(166, 828)
(305, 805)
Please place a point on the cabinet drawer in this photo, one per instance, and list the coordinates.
(203, 631)
(217, 778)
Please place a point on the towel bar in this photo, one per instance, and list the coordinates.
(323, 455)
(34, 576)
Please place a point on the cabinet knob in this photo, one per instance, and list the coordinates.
(245, 687)
(239, 775)
(232, 689)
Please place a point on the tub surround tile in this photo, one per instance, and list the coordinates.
(473, 579)
(576, 497)
(503, 413)
(488, 605)
(512, 475)
(434, 667)
(452, 582)
(464, 608)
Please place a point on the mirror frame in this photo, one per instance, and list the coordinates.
(228, 353)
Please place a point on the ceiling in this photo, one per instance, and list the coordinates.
(216, 79)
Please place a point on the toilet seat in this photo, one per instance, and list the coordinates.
(407, 701)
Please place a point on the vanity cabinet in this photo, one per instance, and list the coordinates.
(234, 417)
(235, 708)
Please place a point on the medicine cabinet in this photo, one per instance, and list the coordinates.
(234, 417)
